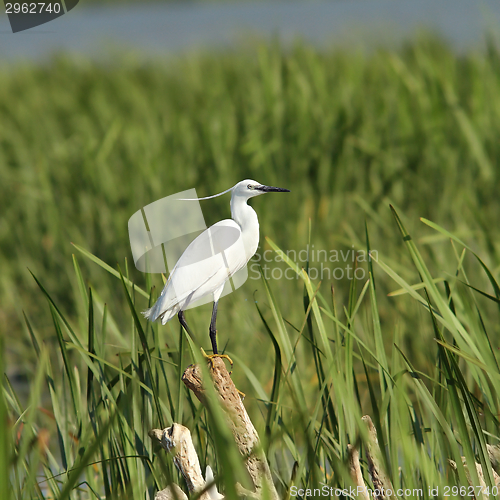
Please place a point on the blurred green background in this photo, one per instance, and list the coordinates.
(83, 146)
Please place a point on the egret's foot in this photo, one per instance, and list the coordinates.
(210, 357)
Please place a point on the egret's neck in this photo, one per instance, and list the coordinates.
(244, 215)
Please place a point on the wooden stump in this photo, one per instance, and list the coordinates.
(177, 438)
(244, 433)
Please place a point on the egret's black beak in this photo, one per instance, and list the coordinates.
(272, 189)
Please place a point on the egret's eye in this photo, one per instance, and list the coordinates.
(250, 186)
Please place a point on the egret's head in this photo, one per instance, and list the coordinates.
(245, 189)
(249, 188)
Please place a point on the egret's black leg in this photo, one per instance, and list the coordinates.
(212, 330)
(182, 321)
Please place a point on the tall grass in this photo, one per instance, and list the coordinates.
(101, 411)
(82, 147)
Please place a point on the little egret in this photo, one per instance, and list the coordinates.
(212, 258)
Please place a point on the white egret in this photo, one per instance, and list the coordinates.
(212, 258)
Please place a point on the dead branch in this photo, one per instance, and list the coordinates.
(380, 480)
(243, 431)
(172, 492)
(494, 456)
(480, 475)
(177, 439)
(356, 474)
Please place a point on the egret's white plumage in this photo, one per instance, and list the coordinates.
(213, 257)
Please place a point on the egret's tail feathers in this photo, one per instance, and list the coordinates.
(153, 314)
(149, 313)
(168, 315)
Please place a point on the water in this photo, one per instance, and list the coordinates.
(162, 29)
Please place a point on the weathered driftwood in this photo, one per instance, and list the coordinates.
(356, 474)
(172, 492)
(381, 482)
(244, 433)
(480, 475)
(494, 456)
(177, 439)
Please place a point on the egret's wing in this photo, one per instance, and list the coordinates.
(204, 266)
(182, 284)
(219, 238)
